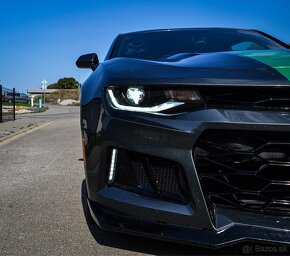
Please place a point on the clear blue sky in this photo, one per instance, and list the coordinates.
(41, 39)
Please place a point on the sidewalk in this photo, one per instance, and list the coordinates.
(12, 128)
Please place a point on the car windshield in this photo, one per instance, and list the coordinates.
(163, 45)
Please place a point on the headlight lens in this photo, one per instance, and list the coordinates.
(135, 95)
(143, 99)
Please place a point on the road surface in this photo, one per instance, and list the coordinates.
(41, 206)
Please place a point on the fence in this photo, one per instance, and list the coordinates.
(7, 104)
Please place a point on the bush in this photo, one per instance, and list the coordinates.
(61, 95)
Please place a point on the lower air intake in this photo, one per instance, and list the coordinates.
(151, 176)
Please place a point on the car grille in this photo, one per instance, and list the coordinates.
(246, 97)
(150, 176)
(245, 170)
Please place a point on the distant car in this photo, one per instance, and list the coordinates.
(186, 136)
(19, 98)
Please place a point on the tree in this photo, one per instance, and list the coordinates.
(65, 83)
(53, 86)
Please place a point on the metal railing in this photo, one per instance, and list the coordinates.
(7, 104)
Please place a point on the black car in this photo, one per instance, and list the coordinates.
(19, 97)
(186, 136)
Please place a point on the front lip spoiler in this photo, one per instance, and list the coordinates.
(117, 222)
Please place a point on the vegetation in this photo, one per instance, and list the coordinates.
(60, 95)
(65, 83)
(74, 104)
(35, 110)
(39, 110)
(17, 104)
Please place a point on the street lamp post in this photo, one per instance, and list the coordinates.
(44, 83)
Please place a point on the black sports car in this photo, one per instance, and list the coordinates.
(186, 136)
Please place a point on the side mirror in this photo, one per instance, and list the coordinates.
(90, 60)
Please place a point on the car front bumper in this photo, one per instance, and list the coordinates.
(173, 137)
(112, 220)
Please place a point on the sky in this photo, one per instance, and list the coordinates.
(41, 39)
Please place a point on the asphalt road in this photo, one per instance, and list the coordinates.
(41, 197)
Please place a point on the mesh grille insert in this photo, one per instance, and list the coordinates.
(151, 176)
(247, 170)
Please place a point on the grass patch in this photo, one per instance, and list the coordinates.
(17, 104)
(37, 110)
(40, 110)
(74, 104)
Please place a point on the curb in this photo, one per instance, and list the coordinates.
(16, 135)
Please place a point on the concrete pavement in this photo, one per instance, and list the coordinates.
(27, 122)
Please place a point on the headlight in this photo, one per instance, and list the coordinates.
(135, 95)
(143, 99)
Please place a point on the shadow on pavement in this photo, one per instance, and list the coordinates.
(152, 246)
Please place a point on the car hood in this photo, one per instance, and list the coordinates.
(251, 67)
